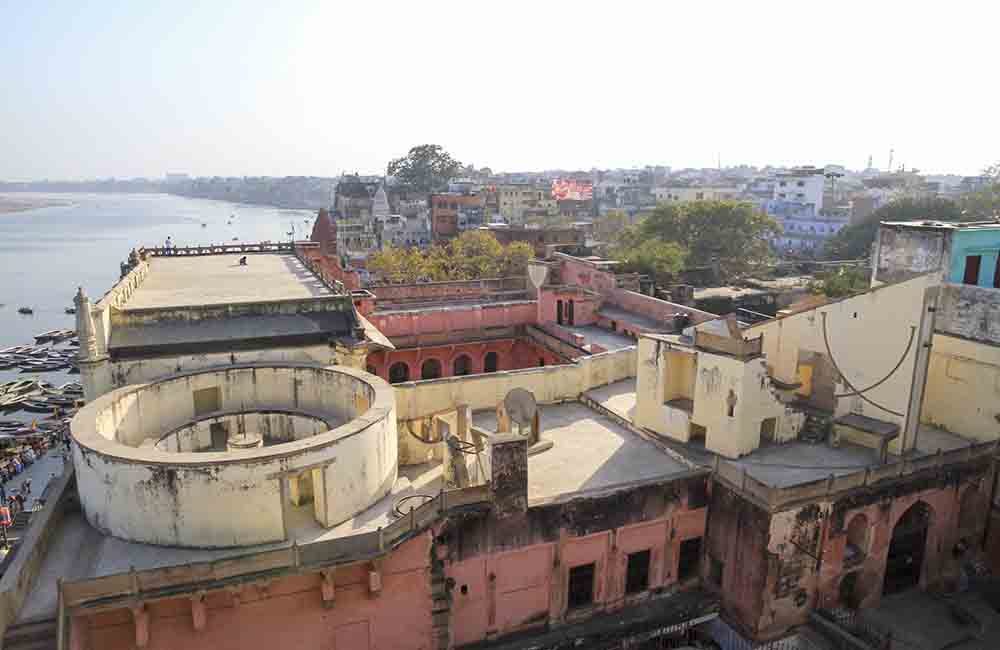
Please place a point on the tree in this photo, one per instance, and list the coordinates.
(653, 257)
(607, 227)
(855, 241)
(426, 168)
(729, 231)
(845, 281)
(477, 254)
(515, 258)
(400, 265)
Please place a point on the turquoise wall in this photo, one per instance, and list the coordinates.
(983, 242)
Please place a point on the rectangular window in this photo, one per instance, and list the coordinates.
(581, 586)
(207, 400)
(715, 571)
(689, 559)
(972, 264)
(637, 572)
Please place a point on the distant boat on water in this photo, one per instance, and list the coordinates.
(25, 310)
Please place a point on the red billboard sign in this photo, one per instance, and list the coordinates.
(571, 190)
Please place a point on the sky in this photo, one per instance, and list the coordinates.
(98, 89)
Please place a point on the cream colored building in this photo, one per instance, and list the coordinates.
(672, 194)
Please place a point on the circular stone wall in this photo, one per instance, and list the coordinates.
(133, 487)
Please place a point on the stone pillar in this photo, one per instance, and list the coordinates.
(95, 366)
(508, 454)
(353, 356)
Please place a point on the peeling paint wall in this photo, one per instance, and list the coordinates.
(904, 253)
(969, 312)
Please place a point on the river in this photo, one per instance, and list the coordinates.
(46, 253)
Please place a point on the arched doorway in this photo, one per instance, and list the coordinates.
(849, 594)
(569, 314)
(398, 372)
(559, 312)
(857, 540)
(431, 369)
(907, 549)
(462, 365)
(490, 362)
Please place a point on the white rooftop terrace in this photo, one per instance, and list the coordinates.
(189, 281)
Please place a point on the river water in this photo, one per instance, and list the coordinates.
(46, 253)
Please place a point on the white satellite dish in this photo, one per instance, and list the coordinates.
(521, 407)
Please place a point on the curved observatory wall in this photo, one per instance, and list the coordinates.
(230, 457)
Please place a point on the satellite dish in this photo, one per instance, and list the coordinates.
(520, 406)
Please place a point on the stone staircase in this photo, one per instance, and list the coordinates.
(816, 428)
(32, 635)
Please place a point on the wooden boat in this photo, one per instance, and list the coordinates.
(45, 337)
(25, 310)
(70, 310)
(37, 406)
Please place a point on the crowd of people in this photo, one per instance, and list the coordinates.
(15, 498)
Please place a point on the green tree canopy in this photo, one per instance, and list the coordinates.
(653, 257)
(729, 231)
(855, 241)
(426, 168)
(472, 255)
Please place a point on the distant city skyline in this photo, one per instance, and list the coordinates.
(310, 89)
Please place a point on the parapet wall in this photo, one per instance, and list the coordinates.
(131, 489)
(550, 384)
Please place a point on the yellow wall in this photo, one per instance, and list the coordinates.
(867, 334)
(963, 388)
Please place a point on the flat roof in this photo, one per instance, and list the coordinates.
(790, 463)
(191, 281)
(590, 452)
(943, 225)
(79, 552)
(605, 338)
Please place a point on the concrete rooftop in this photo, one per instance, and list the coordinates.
(788, 464)
(590, 452)
(219, 279)
(605, 338)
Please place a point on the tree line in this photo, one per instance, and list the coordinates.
(473, 255)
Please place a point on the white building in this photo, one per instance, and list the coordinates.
(802, 185)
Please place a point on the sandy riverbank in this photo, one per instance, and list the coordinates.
(9, 203)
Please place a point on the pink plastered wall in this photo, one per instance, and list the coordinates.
(512, 354)
(516, 590)
(585, 306)
(287, 612)
(584, 274)
(455, 318)
(655, 308)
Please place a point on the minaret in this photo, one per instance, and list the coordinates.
(94, 369)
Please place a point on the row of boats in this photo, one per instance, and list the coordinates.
(40, 357)
(55, 336)
(39, 396)
(32, 358)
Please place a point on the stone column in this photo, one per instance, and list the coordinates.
(353, 356)
(95, 366)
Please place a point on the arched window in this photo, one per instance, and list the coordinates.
(491, 362)
(462, 365)
(431, 369)
(398, 372)
(857, 539)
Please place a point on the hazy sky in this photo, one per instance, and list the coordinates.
(93, 89)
